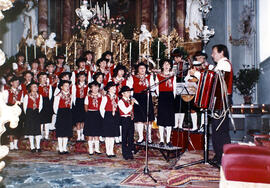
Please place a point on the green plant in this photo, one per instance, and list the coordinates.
(246, 79)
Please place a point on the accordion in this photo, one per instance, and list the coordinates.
(205, 95)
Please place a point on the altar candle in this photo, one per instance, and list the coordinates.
(26, 54)
(139, 49)
(120, 51)
(148, 53)
(75, 51)
(56, 50)
(111, 46)
(18, 49)
(130, 51)
(45, 49)
(169, 48)
(158, 46)
(66, 53)
(35, 51)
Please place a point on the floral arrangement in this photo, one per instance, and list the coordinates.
(116, 23)
(246, 79)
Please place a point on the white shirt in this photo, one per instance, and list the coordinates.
(25, 103)
(223, 65)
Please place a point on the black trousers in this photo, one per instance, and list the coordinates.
(127, 136)
(220, 137)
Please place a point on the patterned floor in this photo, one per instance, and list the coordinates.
(49, 169)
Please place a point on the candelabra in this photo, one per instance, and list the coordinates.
(205, 34)
(85, 14)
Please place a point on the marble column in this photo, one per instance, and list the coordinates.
(147, 9)
(67, 20)
(180, 15)
(42, 15)
(163, 17)
(138, 13)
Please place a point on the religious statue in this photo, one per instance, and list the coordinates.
(40, 41)
(194, 22)
(30, 31)
(85, 14)
(4, 5)
(145, 35)
(50, 44)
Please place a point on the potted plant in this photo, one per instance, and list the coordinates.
(245, 81)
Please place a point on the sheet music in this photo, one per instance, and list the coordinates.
(186, 88)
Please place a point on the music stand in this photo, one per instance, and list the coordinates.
(205, 151)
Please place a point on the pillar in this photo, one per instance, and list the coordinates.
(67, 20)
(147, 10)
(138, 13)
(42, 15)
(163, 17)
(180, 14)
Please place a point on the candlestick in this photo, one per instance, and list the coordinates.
(56, 50)
(130, 51)
(120, 52)
(26, 54)
(66, 53)
(35, 51)
(158, 46)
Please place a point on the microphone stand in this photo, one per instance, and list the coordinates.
(146, 170)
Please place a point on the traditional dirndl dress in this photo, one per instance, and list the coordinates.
(93, 119)
(165, 115)
(32, 115)
(110, 123)
(62, 107)
(78, 109)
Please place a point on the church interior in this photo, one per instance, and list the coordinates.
(134, 93)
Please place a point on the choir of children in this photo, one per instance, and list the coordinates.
(94, 99)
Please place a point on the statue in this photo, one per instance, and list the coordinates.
(30, 24)
(145, 35)
(50, 44)
(194, 22)
(5, 5)
(40, 41)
